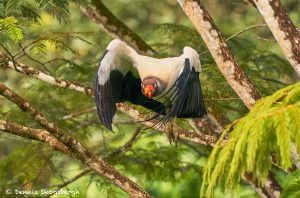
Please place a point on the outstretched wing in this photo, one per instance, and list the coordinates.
(117, 80)
(192, 100)
(185, 99)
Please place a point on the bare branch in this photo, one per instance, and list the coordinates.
(78, 150)
(5, 61)
(114, 27)
(44, 136)
(246, 29)
(225, 61)
(113, 154)
(60, 186)
(182, 133)
(34, 134)
(283, 29)
(34, 60)
(127, 145)
(295, 157)
(75, 114)
(270, 190)
(219, 50)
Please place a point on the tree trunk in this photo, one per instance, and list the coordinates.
(116, 28)
(283, 29)
(227, 65)
(219, 50)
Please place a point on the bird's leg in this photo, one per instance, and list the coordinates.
(169, 129)
(171, 134)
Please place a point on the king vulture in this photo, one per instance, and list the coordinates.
(168, 86)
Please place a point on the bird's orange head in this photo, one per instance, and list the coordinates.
(149, 87)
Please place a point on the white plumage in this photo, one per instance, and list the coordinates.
(146, 66)
(123, 72)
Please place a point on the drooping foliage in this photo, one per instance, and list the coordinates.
(9, 26)
(256, 62)
(55, 35)
(269, 129)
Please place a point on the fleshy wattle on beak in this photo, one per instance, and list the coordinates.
(149, 91)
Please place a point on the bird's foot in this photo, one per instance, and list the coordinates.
(171, 134)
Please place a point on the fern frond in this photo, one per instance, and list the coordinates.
(2, 9)
(270, 128)
(11, 27)
(177, 34)
(30, 11)
(255, 62)
(39, 49)
(12, 5)
(61, 40)
(57, 8)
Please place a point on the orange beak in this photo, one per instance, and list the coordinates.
(149, 91)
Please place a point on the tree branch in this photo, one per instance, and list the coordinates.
(5, 62)
(44, 136)
(75, 114)
(219, 50)
(225, 61)
(182, 133)
(114, 27)
(62, 185)
(78, 150)
(127, 145)
(113, 154)
(35, 134)
(246, 29)
(283, 29)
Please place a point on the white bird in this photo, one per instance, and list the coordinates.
(168, 86)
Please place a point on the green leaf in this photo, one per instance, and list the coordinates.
(291, 186)
(11, 28)
(270, 128)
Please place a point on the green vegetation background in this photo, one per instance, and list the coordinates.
(75, 43)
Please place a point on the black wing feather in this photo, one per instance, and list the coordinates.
(194, 102)
(186, 99)
(102, 105)
(119, 88)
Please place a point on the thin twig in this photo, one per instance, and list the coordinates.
(35, 60)
(11, 56)
(24, 69)
(78, 150)
(75, 114)
(222, 99)
(246, 29)
(275, 81)
(263, 39)
(127, 145)
(66, 183)
(116, 152)
(7, 51)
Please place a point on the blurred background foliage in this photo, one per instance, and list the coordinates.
(59, 39)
